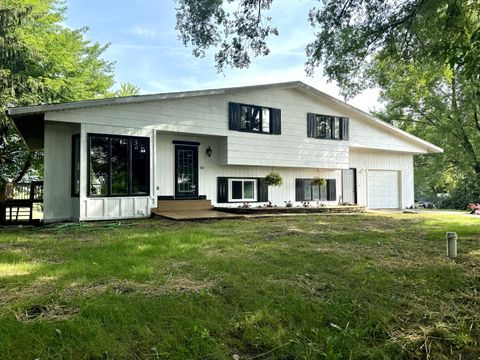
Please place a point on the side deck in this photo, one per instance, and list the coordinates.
(21, 203)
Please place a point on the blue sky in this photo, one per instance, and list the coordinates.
(147, 52)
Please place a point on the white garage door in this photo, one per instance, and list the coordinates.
(383, 189)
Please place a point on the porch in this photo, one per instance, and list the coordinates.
(189, 210)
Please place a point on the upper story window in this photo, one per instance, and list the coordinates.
(327, 127)
(118, 165)
(253, 118)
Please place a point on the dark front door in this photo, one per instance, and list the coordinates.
(349, 186)
(186, 172)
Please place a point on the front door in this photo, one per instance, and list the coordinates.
(349, 186)
(186, 172)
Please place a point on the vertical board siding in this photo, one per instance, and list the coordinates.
(364, 161)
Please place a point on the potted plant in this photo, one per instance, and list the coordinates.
(318, 181)
(274, 179)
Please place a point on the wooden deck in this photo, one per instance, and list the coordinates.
(18, 202)
(190, 210)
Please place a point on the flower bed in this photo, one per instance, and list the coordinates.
(292, 210)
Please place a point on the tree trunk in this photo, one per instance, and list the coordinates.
(25, 168)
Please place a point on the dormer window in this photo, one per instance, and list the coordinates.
(254, 118)
(327, 127)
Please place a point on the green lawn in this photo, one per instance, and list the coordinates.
(308, 287)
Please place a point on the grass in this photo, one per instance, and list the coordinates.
(373, 286)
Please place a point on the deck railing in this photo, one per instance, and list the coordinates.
(18, 202)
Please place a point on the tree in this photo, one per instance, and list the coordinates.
(423, 54)
(42, 61)
(127, 89)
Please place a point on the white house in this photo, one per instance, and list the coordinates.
(115, 158)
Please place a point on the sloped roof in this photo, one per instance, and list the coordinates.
(22, 111)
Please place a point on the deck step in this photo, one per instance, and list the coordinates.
(183, 205)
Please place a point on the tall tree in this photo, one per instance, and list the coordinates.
(423, 54)
(42, 61)
(127, 89)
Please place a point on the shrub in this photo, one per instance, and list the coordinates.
(465, 193)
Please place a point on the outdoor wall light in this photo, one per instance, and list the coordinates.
(209, 151)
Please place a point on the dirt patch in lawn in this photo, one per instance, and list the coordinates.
(50, 312)
(173, 285)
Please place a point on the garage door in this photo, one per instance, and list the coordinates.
(383, 189)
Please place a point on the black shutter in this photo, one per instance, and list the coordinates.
(222, 190)
(331, 190)
(275, 121)
(262, 190)
(233, 116)
(344, 127)
(311, 125)
(299, 195)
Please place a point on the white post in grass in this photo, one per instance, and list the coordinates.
(451, 244)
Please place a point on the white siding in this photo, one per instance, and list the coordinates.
(59, 205)
(208, 115)
(367, 135)
(364, 161)
(211, 167)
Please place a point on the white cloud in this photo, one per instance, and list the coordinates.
(144, 32)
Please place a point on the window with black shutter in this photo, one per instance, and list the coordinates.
(254, 118)
(327, 127)
(305, 191)
(231, 189)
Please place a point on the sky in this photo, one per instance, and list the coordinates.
(147, 52)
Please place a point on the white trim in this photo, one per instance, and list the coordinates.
(243, 181)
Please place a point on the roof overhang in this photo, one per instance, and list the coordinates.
(31, 128)
(22, 116)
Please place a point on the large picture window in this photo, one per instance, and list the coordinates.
(242, 190)
(327, 127)
(118, 165)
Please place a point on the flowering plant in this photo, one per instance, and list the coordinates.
(274, 179)
(245, 205)
(474, 209)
